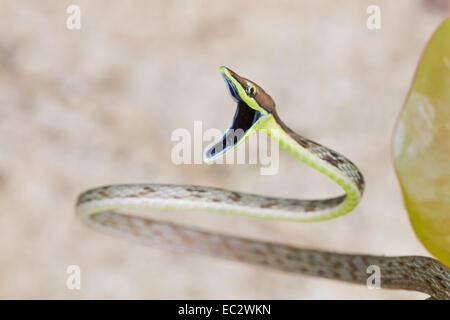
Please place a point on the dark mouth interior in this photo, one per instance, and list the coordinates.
(244, 118)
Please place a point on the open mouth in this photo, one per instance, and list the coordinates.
(244, 118)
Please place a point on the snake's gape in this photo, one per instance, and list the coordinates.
(256, 111)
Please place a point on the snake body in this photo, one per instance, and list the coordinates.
(102, 208)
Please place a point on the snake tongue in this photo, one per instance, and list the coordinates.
(244, 118)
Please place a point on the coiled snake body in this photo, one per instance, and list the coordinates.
(100, 208)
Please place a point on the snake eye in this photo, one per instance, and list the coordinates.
(251, 91)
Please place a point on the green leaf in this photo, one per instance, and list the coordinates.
(421, 147)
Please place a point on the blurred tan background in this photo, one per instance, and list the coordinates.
(96, 106)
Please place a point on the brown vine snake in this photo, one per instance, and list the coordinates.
(101, 208)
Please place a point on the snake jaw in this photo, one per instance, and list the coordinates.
(245, 121)
(249, 116)
(234, 93)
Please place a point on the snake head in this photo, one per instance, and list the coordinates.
(254, 107)
(242, 89)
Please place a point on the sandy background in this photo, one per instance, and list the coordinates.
(97, 106)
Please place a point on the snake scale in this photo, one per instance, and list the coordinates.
(103, 208)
